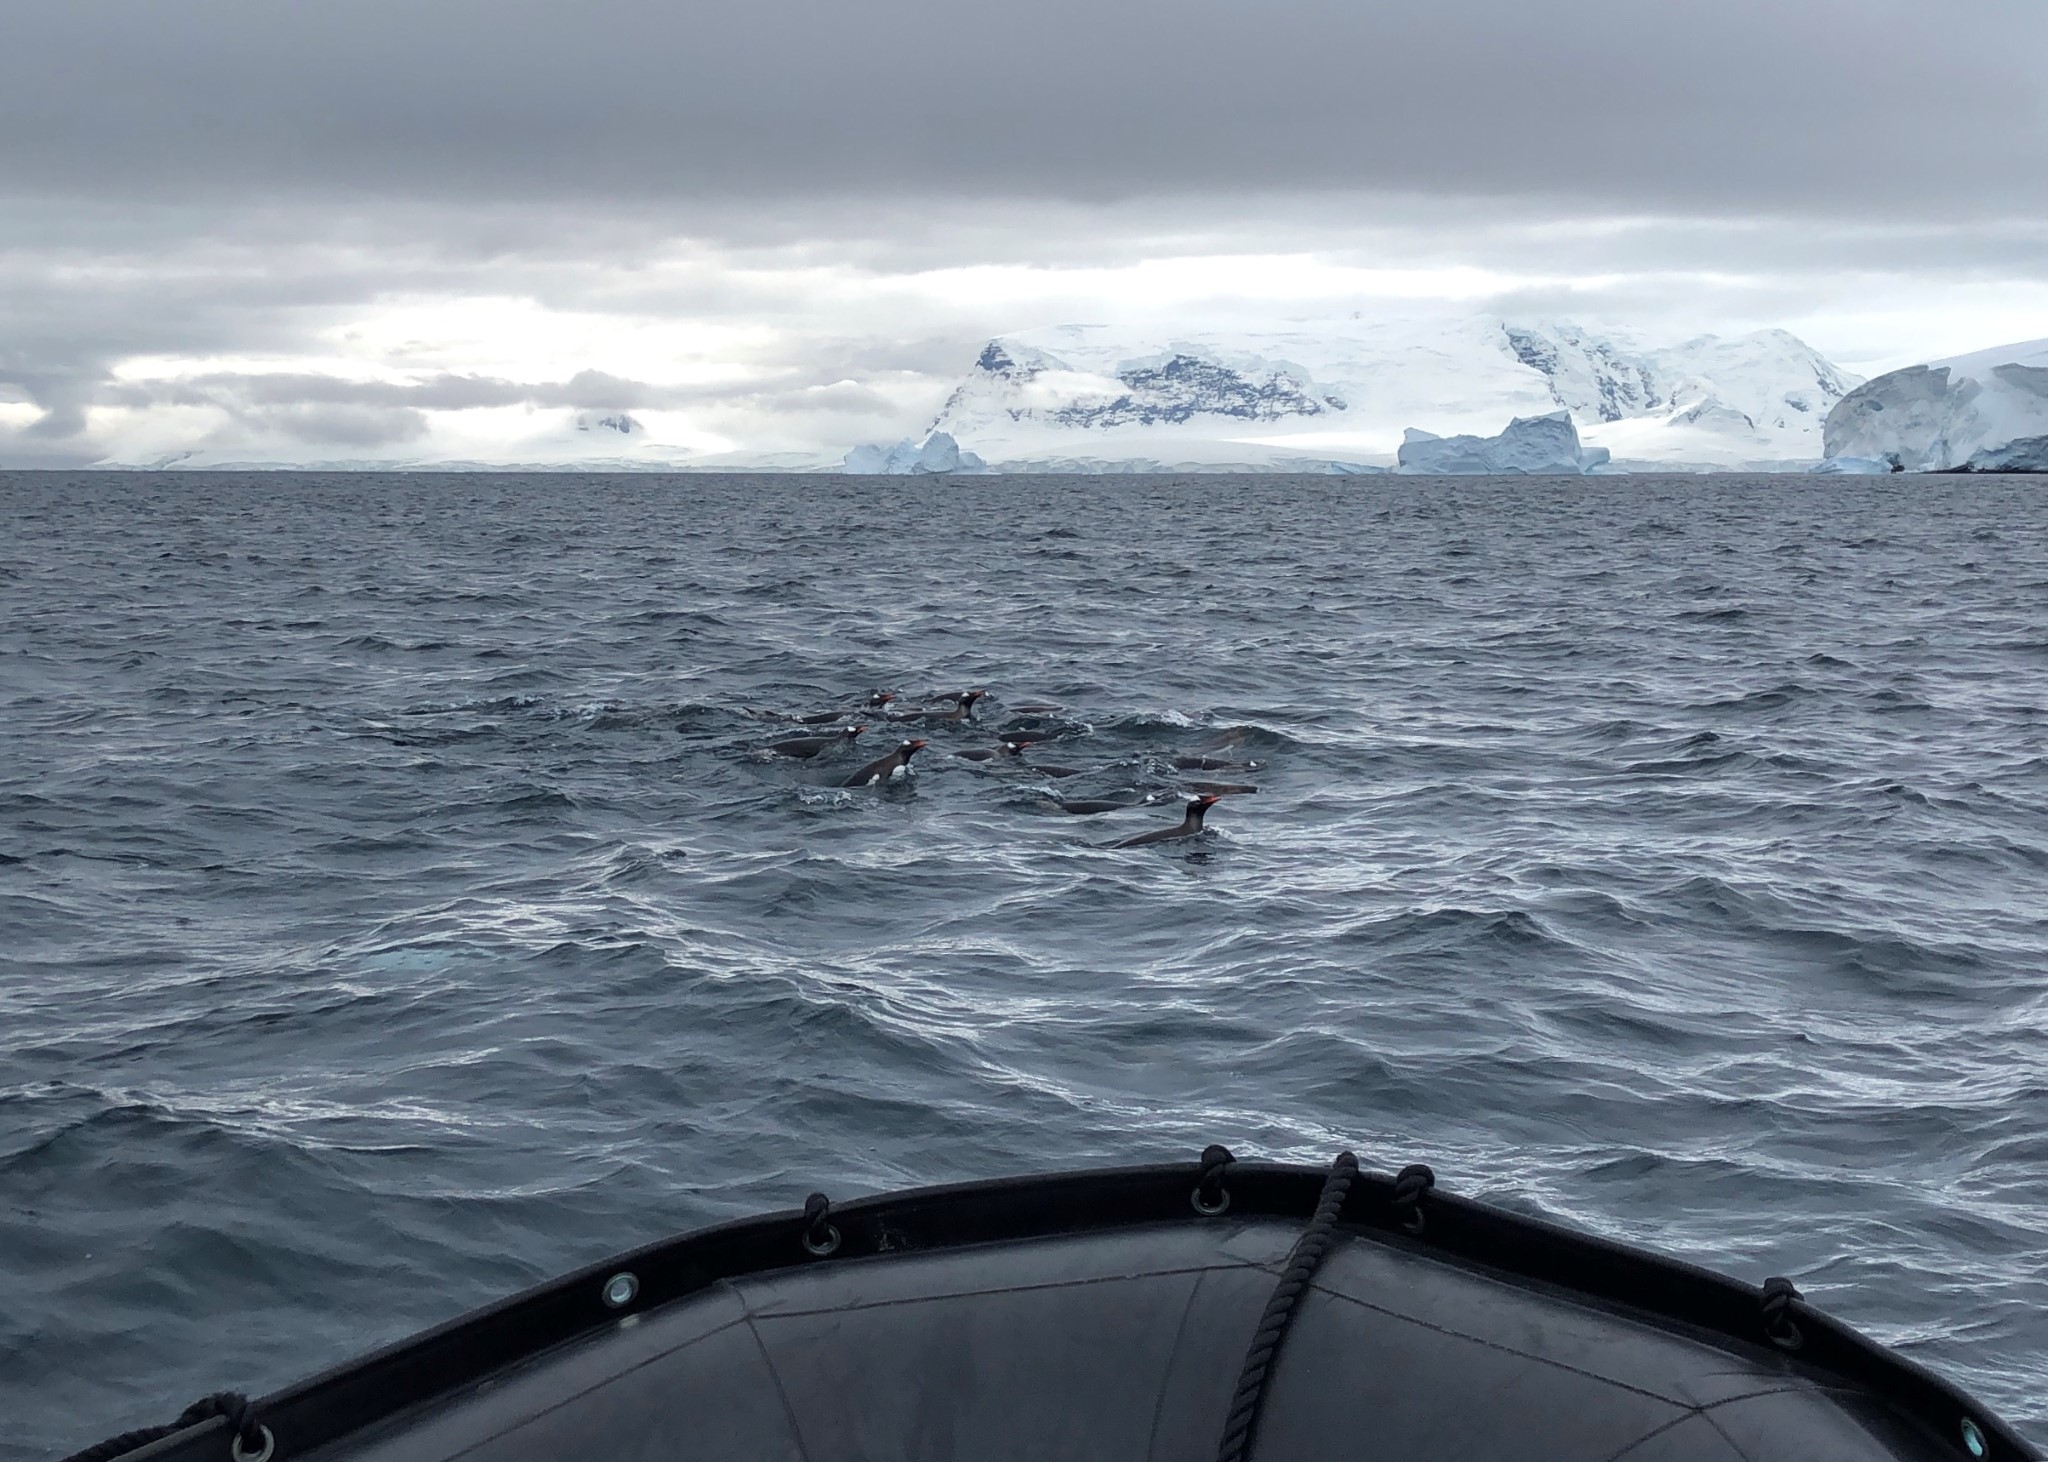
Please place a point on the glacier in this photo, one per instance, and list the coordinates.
(1982, 412)
(1338, 395)
(1531, 446)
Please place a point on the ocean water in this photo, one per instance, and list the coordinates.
(394, 911)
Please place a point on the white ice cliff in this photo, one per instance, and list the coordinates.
(1983, 412)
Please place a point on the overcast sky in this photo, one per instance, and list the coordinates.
(333, 229)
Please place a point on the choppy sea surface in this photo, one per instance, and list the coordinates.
(395, 910)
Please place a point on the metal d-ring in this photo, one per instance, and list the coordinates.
(821, 1235)
(236, 1450)
(1210, 1196)
(1775, 1303)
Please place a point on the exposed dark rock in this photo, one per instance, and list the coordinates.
(1186, 387)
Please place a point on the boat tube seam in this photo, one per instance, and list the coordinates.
(854, 1306)
(796, 1431)
(1180, 1335)
(1352, 1299)
(1734, 1446)
(1651, 1435)
(449, 1399)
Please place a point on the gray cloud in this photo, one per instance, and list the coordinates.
(1877, 105)
(341, 425)
(305, 406)
(249, 391)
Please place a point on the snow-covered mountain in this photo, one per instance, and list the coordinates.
(1987, 412)
(1344, 391)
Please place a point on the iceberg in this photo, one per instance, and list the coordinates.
(1531, 446)
(1983, 412)
(937, 453)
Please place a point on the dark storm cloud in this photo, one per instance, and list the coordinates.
(1881, 105)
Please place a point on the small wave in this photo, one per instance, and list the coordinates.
(422, 737)
(1908, 969)
(1782, 694)
(1450, 929)
(1717, 900)
(1619, 728)
(536, 799)
(489, 706)
(1713, 616)
(1155, 724)
(1697, 755)
(699, 618)
(381, 644)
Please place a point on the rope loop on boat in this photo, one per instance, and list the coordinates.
(249, 1441)
(1409, 1185)
(1775, 1302)
(821, 1236)
(1302, 1261)
(1210, 1196)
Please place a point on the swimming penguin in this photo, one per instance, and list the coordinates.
(1008, 746)
(885, 768)
(1046, 771)
(1190, 826)
(963, 709)
(809, 746)
(1221, 789)
(1211, 764)
(1088, 808)
(874, 702)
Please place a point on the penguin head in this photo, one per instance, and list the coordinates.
(852, 731)
(881, 698)
(1199, 805)
(911, 748)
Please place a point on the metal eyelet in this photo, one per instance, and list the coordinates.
(621, 1289)
(1973, 1439)
(1208, 1208)
(236, 1450)
(1784, 1334)
(822, 1246)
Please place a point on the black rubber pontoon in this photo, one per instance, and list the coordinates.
(1109, 1315)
